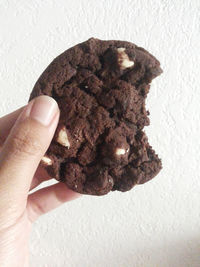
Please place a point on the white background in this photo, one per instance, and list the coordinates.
(156, 224)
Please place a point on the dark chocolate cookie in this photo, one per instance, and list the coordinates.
(99, 145)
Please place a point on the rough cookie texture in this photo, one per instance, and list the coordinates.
(99, 145)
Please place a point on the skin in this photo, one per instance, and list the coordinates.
(23, 142)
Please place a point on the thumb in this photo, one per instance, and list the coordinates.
(25, 146)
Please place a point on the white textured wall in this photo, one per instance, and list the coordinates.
(154, 225)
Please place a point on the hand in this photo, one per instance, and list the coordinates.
(23, 146)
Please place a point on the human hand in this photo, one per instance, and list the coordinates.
(25, 136)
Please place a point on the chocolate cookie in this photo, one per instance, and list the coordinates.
(99, 145)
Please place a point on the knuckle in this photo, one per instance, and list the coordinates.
(26, 144)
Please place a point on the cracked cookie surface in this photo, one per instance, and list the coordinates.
(99, 145)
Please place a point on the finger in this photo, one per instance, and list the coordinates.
(25, 146)
(48, 198)
(7, 122)
(40, 176)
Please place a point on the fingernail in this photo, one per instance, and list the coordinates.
(43, 109)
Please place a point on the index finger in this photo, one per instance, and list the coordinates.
(7, 122)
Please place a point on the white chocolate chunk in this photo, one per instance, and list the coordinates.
(121, 49)
(46, 160)
(62, 138)
(123, 59)
(120, 151)
(126, 63)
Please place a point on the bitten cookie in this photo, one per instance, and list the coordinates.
(99, 145)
